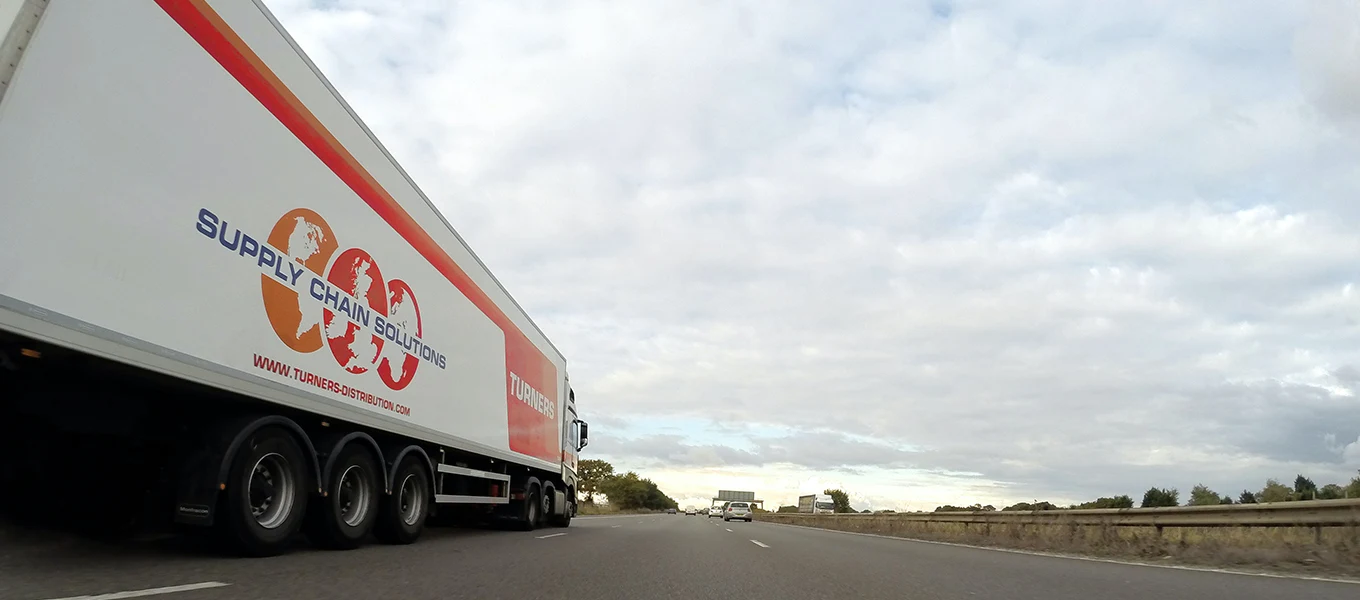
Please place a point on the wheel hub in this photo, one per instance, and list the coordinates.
(409, 496)
(354, 493)
(270, 491)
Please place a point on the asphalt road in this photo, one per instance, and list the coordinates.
(613, 558)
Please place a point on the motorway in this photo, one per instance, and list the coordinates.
(611, 558)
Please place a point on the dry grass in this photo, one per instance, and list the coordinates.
(1333, 550)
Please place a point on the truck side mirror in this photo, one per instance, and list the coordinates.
(585, 434)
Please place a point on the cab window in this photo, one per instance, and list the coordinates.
(573, 431)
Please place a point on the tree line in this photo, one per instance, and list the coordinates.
(632, 491)
(626, 491)
(1200, 495)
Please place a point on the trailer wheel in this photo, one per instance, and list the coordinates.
(401, 515)
(349, 509)
(531, 509)
(266, 493)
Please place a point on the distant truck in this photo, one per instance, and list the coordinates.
(816, 504)
(223, 301)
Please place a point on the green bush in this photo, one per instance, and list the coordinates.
(629, 491)
(1161, 497)
(1113, 502)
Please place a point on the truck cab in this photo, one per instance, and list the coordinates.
(823, 504)
(575, 436)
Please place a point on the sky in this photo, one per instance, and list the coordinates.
(927, 252)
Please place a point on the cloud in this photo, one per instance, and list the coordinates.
(818, 450)
(1326, 51)
(1002, 252)
(1351, 452)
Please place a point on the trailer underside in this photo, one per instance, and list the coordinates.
(107, 449)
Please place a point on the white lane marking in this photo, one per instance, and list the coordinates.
(615, 526)
(757, 542)
(729, 530)
(151, 592)
(544, 537)
(1085, 558)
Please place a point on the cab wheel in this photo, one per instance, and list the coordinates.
(565, 519)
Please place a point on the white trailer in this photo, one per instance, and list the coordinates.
(221, 294)
(816, 504)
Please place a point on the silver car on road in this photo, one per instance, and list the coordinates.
(737, 510)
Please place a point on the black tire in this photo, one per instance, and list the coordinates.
(402, 514)
(346, 514)
(271, 466)
(564, 520)
(531, 508)
(550, 517)
(545, 518)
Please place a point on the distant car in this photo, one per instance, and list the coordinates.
(715, 511)
(670, 511)
(691, 511)
(737, 510)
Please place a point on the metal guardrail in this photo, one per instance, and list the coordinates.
(1306, 513)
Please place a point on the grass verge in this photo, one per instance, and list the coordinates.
(1333, 551)
(587, 509)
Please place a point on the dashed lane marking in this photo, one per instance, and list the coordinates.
(551, 535)
(757, 542)
(150, 591)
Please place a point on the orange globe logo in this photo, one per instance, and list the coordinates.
(303, 236)
(347, 306)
